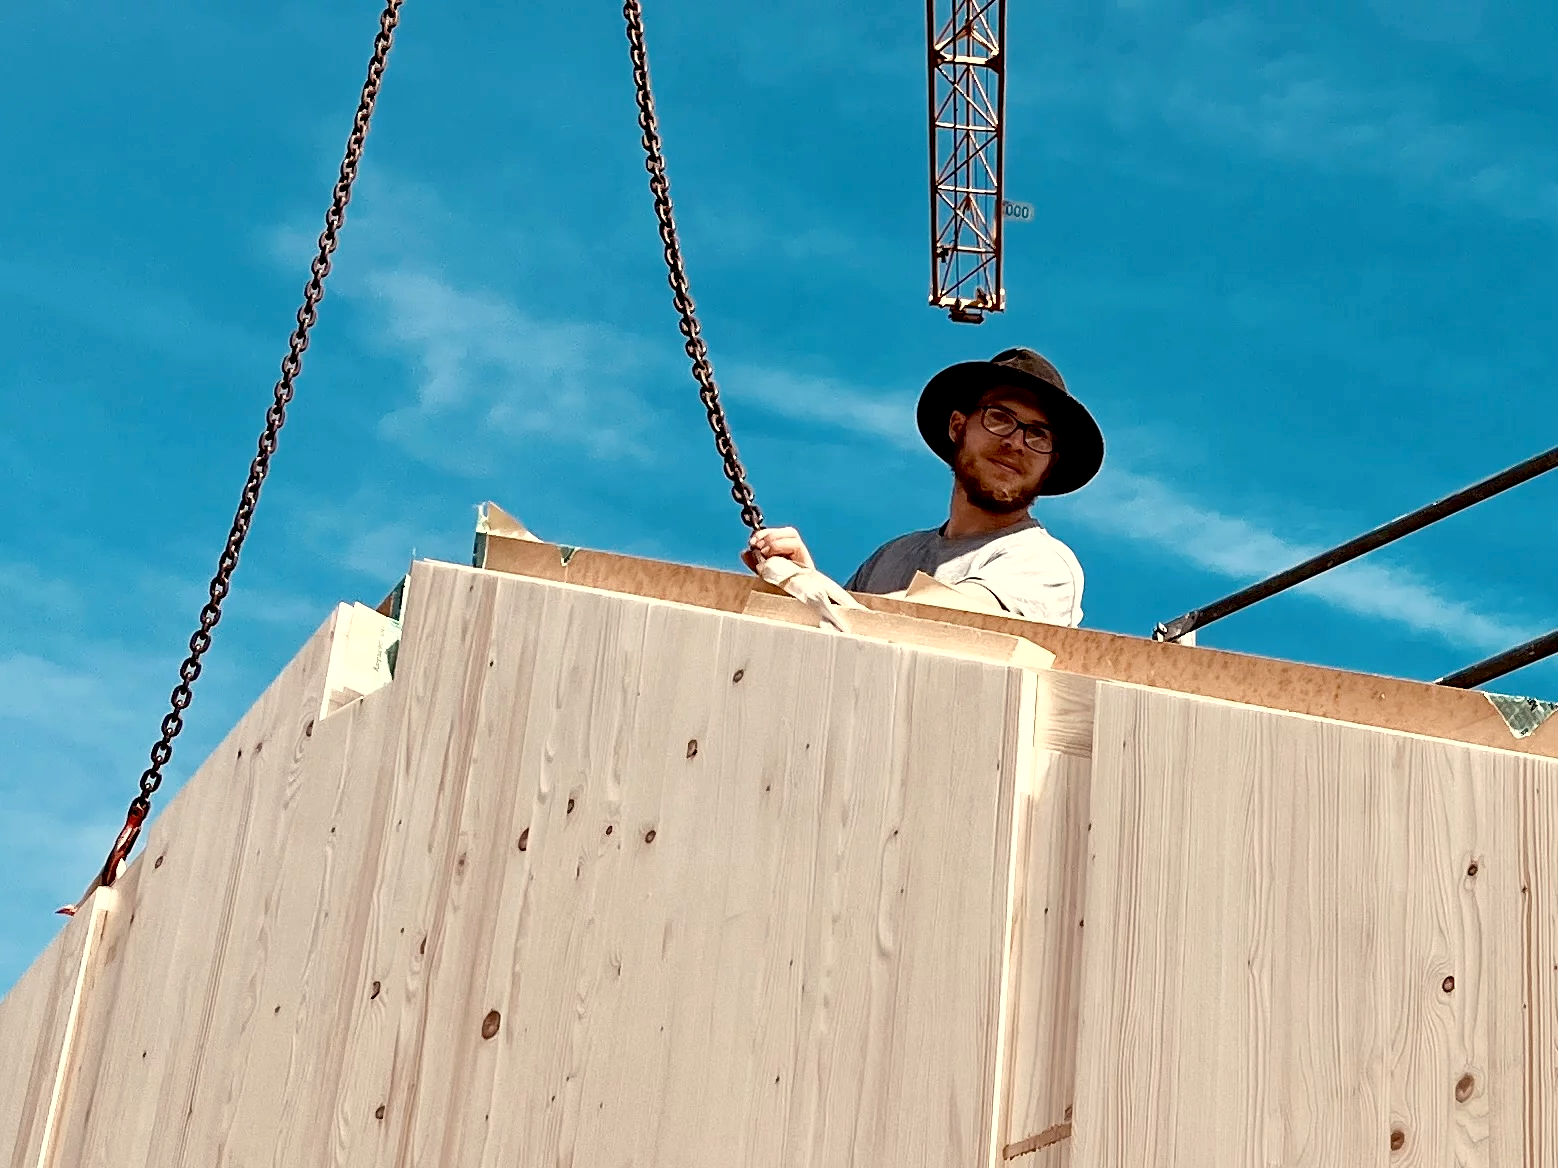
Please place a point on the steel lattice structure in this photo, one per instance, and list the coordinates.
(967, 112)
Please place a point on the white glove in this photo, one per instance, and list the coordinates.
(811, 588)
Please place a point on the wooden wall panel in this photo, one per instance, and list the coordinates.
(601, 880)
(755, 868)
(1412, 707)
(595, 880)
(39, 1021)
(1235, 1001)
(1539, 888)
(1274, 906)
(1052, 845)
(1455, 965)
(158, 1019)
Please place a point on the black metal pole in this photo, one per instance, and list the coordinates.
(1506, 662)
(1198, 618)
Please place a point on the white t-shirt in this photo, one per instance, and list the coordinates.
(1027, 569)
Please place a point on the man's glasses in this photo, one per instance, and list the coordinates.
(1036, 436)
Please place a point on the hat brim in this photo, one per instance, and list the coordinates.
(1079, 443)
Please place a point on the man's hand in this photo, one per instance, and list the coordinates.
(778, 555)
(776, 542)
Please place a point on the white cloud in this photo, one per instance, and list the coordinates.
(1153, 513)
(27, 585)
(491, 376)
(815, 399)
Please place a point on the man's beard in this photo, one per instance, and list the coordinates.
(995, 500)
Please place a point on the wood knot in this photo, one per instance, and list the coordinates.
(524, 839)
(158, 862)
(570, 805)
(490, 1024)
(649, 836)
(1471, 869)
(1398, 1139)
(379, 1112)
(374, 992)
(608, 829)
(735, 678)
(308, 730)
(1464, 1086)
(692, 748)
(1448, 985)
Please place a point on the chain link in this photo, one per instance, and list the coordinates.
(676, 274)
(275, 418)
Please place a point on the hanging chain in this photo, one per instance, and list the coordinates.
(275, 418)
(676, 274)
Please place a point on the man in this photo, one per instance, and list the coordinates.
(1010, 431)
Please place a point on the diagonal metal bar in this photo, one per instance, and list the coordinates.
(1506, 662)
(1199, 618)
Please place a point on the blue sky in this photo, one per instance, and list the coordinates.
(1303, 268)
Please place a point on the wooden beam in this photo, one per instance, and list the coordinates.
(1366, 699)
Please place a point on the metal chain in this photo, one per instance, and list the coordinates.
(275, 418)
(676, 274)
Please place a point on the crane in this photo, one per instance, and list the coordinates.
(967, 93)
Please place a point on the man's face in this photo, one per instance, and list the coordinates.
(1001, 475)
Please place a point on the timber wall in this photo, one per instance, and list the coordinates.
(605, 879)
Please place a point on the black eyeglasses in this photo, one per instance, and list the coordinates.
(1036, 436)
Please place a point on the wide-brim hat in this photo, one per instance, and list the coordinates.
(1079, 444)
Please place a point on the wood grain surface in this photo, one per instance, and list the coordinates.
(1304, 943)
(594, 880)
(601, 878)
(754, 867)
(39, 1022)
(175, 1003)
(1539, 890)
(1391, 703)
(1046, 954)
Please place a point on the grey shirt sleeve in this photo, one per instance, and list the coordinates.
(1038, 579)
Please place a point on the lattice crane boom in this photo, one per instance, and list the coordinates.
(967, 55)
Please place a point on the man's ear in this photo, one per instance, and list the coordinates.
(957, 422)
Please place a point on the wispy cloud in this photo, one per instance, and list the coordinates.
(351, 535)
(830, 401)
(135, 312)
(1153, 513)
(490, 375)
(29, 586)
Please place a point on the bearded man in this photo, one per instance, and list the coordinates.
(1010, 431)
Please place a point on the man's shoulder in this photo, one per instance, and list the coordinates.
(1035, 540)
(1031, 550)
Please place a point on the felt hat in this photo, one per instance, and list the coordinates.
(1079, 444)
